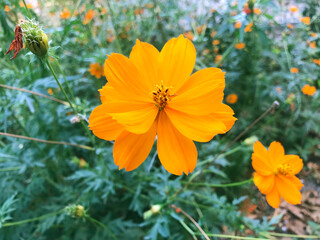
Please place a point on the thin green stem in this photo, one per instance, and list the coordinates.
(67, 83)
(290, 235)
(68, 99)
(9, 169)
(231, 237)
(27, 9)
(101, 225)
(226, 53)
(219, 185)
(32, 219)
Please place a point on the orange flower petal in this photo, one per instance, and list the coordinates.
(130, 150)
(276, 154)
(103, 126)
(176, 62)
(224, 113)
(295, 162)
(202, 92)
(264, 183)
(137, 121)
(197, 128)
(288, 189)
(260, 161)
(273, 198)
(123, 75)
(145, 57)
(177, 153)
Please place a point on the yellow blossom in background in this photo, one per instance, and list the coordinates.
(96, 70)
(294, 9)
(213, 33)
(317, 61)
(88, 17)
(248, 28)
(312, 44)
(275, 174)
(215, 42)
(7, 8)
(294, 70)
(290, 26)
(189, 35)
(309, 90)
(232, 98)
(50, 91)
(305, 20)
(65, 14)
(151, 94)
(240, 46)
(257, 11)
(237, 24)
(314, 35)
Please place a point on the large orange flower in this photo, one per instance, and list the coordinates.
(275, 173)
(152, 93)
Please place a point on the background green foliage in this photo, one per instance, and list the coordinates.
(38, 179)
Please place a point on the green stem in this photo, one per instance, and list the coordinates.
(32, 219)
(9, 169)
(101, 225)
(27, 9)
(68, 99)
(226, 53)
(220, 185)
(290, 235)
(230, 236)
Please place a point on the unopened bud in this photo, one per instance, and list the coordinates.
(155, 209)
(76, 211)
(36, 40)
(250, 140)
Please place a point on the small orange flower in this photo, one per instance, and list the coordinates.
(50, 91)
(96, 70)
(232, 98)
(246, 9)
(7, 8)
(314, 35)
(213, 10)
(305, 20)
(312, 44)
(317, 61)
(216, 42)
(248, 28)
(189, 35)
(88, 17)
(217, 59)
(200, 29)
(240, 46)
(65, 14)
(275, 174)
(309, 90)
(153, 94)
(294, 9)
(213, 33)
(233, 13)
(29, 5)
(103, 10)
(110, 39)
(237, 24)
(294, 70)
(257, 11)
(290, 26)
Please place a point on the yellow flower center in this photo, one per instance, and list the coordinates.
(161, 96)
(284, 169)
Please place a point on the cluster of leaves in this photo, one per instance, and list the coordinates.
(39, 178)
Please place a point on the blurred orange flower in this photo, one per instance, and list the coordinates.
(110, 39)
(151, 94)
(294, 70)
(309, 90)
(257, 11)
(312, 44)
(314, 35)
(65, 14)
(200, 29)
(239, 46)
(290, 26)
(213, 33)
(237, 24)
(50, 91)
(216, 42)
(246, 9)
(88, 17)
(275, 174)
(103, 10)
(248, 28)
(96, 70)
(217, 59)
(317, 61)
(232, 98)
(233, 13)
(305, 20)
(7, 8)
(189, 35)
(294, 9)
(29, 5)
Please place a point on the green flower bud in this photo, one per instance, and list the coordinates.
(76, 211)
(36, 40)
(250, 140)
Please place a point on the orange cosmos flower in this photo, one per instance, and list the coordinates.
(312, 44)
(50, 91)
(217, 59)
(290, 26)
(314, 35)
(29, 5)
(240, 46)
(317, 61)
(151, 94)
(213, 33)
(305, 20)
(237, 24)
(246, 9)
(294, 70)
(232, 98)
(188, 35)
(248, 28)
(294, 9)
(65, 14)
(216, 42)
(309, 90)
(275, 173)
(88, 17)
(96, 70)
(257, 11)
(7, 8)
